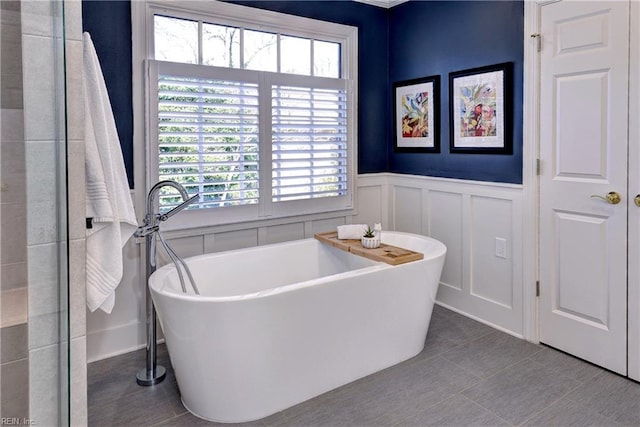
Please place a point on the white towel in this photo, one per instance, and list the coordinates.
(351, 231)
(108, 200)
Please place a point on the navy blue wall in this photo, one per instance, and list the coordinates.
(438, 37)
(109, 23)
(411, 40)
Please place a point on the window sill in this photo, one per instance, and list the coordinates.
(175, 230)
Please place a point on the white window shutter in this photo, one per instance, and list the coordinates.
(208, 139)
(309, 143)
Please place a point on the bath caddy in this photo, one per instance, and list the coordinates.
(384, 253)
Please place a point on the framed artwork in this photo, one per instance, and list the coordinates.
(416, 115)
(481, 110)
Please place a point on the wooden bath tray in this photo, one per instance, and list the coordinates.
(385, 253)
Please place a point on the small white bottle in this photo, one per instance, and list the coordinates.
(377, 230)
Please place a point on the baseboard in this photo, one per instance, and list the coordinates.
(477, 319)
(107, 343)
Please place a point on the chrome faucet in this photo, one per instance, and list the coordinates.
(151, 219)
(156, 188)
(154, 373)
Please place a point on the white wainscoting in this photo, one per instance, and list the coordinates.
(480, 279)
(466, 216)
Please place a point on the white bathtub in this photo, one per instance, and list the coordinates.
(279, 324)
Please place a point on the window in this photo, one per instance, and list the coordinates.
(208, 138)
(257, 118)
(309, 142)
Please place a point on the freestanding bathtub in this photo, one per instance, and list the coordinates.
(278, 324)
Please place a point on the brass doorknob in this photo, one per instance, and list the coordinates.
(636, 200)
(613, 198)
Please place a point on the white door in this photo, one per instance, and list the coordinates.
(633, 266)
(583, 152)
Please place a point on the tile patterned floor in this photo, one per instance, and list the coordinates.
(467, 375)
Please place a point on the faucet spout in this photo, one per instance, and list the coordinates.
(156, 188)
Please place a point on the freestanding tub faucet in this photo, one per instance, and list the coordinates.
(154, 373)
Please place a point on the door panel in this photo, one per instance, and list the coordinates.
(581, 292)
(585, 31)
(582, 125)
(583, 148)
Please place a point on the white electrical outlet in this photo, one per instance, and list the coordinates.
(501, 247)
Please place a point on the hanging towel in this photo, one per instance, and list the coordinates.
(108, 200)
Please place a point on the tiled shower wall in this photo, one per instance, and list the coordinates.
(45, 121)
(14, 368)
(33, 213)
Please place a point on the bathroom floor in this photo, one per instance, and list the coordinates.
(467, 374)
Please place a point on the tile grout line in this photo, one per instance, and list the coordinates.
(541, 410)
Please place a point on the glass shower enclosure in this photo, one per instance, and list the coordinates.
(34, 268)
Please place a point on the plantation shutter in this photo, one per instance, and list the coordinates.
(208, 136)
(309, 142)
(255, 143)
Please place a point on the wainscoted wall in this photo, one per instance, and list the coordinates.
(481, 225)
(467, 216)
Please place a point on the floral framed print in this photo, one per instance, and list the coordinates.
(416, 115)
(481, 110)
